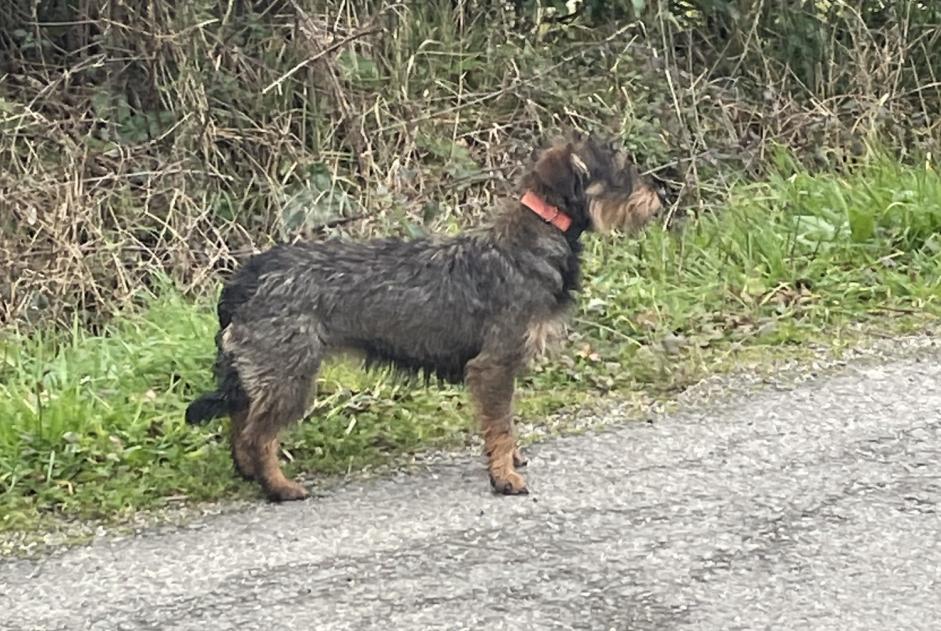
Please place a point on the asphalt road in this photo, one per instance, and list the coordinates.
(813, 507)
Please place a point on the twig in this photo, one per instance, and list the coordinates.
(326, 51)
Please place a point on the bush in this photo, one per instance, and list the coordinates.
(148, 139)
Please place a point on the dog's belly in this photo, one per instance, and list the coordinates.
(427, 361)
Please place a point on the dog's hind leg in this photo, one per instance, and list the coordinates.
(278, 405)
(277, 372)
(490, 382)
(241, 454)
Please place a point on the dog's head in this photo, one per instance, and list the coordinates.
(595, 183)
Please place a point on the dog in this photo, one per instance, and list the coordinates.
(474, 308)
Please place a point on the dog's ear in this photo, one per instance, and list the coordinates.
(578, 164)
(555, 164)
(580, 175)
(560, 174)
(622, 162)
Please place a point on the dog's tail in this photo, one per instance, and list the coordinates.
(207, 407)
(228, 397)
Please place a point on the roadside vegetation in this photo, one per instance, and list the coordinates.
(143, 154)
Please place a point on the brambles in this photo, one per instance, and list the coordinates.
(151, 139)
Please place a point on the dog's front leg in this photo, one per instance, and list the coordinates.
(490, 382)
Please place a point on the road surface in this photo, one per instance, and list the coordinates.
(808, 507)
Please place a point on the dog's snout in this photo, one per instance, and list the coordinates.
(662, 191)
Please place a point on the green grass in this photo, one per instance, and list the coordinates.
(92, 424)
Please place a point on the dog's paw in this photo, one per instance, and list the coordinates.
(519, 460)
(510, 483)
(287, 492)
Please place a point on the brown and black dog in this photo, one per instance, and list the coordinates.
(472, 308)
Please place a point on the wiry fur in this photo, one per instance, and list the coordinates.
(471, 308)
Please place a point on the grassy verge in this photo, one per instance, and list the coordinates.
(92, 424)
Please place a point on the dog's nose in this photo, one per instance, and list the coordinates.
(662, 196)
(662, 191)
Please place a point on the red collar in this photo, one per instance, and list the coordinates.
(550, 213)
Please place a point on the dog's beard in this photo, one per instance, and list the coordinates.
(630, 213)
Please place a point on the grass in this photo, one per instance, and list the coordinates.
(93, 422)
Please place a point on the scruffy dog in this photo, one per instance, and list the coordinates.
(472, 308)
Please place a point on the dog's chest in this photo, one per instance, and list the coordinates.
(543, 335)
